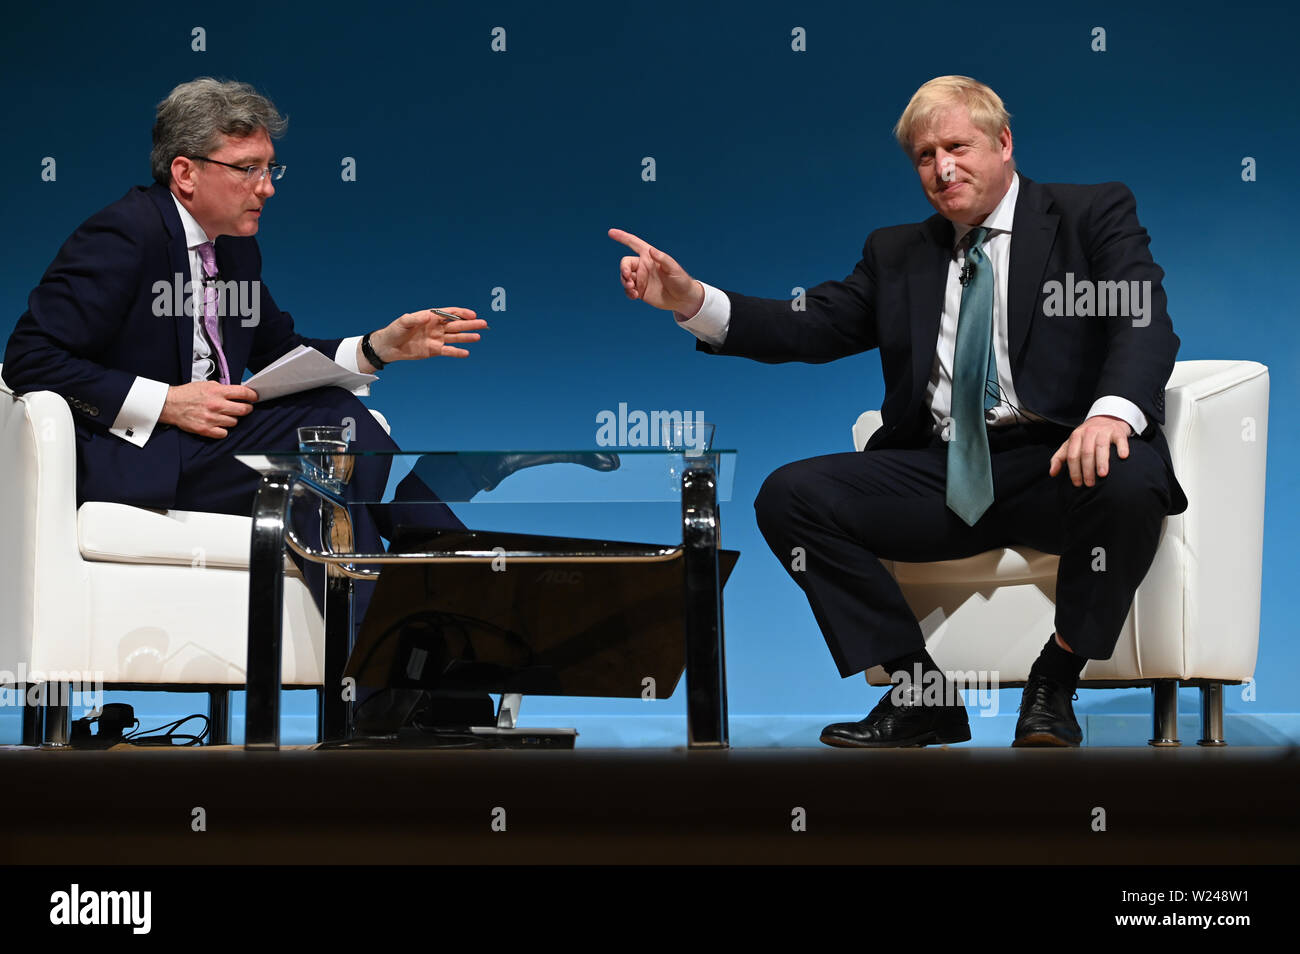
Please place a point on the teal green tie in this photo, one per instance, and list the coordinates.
(970, 474)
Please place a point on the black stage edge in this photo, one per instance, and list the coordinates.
(951, 806)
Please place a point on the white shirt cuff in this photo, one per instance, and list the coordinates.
(140, 411)
(1114, 406)
(346, 357)
(713, 320)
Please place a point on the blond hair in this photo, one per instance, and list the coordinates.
(985, 107)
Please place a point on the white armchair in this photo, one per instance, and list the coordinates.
(1195, 617)
(132, 598)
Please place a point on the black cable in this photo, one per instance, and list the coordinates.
(994, 390)
(144, 737)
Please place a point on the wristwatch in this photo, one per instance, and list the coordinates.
(369, 351)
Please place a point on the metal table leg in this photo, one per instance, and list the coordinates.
(706, 674)
(265, 612)
(335, 711)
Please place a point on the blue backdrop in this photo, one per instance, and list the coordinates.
(478, 169)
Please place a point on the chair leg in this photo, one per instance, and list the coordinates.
(32, 718)
(1212, 715)
(58, 715)
(1164, 712)
(218, 717)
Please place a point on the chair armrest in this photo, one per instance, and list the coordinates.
(1225, 386)
(42, 574)
(868, 423)
(1211, 556)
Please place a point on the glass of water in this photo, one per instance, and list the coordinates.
(692, 440)
(324, 449)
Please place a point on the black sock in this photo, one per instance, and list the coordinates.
(1059, 665)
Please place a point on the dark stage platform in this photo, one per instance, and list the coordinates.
(921, 806)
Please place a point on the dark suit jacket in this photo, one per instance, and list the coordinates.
(90, 328)
(893, 301)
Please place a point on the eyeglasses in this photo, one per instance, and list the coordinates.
(251, 173)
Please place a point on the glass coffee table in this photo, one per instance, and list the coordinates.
(471, 482)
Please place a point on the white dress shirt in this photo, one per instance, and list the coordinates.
(712, 321)
(144, 401)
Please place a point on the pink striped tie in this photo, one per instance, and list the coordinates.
(209, 256)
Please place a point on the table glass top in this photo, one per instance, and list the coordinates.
(639, 475)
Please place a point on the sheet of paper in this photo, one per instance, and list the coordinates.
(302, 369)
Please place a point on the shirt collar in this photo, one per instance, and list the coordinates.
(999, 220)
(194, 234)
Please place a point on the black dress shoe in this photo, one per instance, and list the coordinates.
(890, 726)
(1046, 716)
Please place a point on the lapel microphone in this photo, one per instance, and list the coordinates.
(967, 273)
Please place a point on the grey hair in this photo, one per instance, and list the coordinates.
(196, 114)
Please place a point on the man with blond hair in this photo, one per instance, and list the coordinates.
(1004, 421)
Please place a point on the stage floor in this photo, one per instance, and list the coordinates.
(743, 806)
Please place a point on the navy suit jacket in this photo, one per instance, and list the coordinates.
(893, 301)
(91, 328)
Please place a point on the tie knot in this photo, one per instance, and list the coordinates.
(976, 236)
(208, 255)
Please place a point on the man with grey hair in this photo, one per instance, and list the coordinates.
(157, 405)
(998, 415)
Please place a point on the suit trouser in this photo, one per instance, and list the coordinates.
(848, 511)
